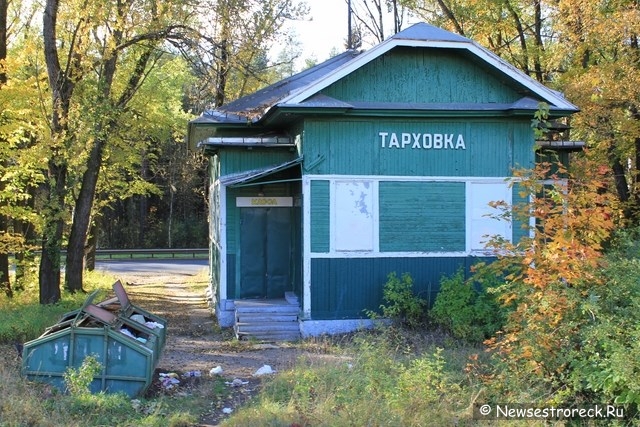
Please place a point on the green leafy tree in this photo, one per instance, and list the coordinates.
(109, 50)
(521, 31)
(4, 254)
(600, 54)
(20, 157)
(231, 59)
(131, 47)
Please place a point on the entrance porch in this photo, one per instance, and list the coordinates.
(267, 319)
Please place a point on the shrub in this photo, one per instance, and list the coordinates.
(467, 312)
(401, 304)
(606, 366)
(79, 380)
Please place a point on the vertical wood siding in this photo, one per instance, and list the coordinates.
(344, 288)
(320, 206)
(422, 216)
(233, 290)
(519, 229)
(353, 147)
(420, 75)
(234, 160)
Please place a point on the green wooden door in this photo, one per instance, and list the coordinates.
(265, 252)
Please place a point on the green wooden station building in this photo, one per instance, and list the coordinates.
(372, 162)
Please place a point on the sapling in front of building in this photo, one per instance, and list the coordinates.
(369, 163)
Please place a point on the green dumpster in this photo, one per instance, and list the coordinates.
(127, 350)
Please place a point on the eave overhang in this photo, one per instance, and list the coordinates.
(246, 141)
(524, 107)
(245, 177)
(562, 145)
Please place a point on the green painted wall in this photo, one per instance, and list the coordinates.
(492, 148)
(320, 209)
(419, 75)
(520, 229)
(422, 216)
(344, 288)
(233, 160)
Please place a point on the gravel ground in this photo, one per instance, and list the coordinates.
(196, 343)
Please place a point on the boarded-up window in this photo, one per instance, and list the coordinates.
(353, 216)
(422, 216)
(483, 223)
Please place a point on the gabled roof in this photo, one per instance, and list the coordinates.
(425, 35)
(302, 90)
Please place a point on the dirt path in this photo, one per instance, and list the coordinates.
(196, 343)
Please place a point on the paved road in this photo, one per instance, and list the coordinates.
(164, 266)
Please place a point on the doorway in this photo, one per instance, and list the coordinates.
(265, 248)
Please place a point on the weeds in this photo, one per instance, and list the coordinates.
(401, 305)
(79, 380)
(371, 382)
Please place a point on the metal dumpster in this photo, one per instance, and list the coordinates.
(128, 350)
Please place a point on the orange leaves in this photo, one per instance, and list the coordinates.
(570, 218)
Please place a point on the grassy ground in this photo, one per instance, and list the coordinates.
(385, 377)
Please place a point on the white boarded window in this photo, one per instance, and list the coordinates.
(353, 215)
(482, 222)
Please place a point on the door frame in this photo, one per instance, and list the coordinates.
(260, 201)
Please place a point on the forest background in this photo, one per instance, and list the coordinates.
(95, 97)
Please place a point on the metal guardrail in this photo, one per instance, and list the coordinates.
(151, 253)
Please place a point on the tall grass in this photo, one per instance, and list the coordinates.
(26, 403)
(23, 318)
(374, 383)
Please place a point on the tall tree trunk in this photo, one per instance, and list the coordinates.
(622, 186)
(223, 70)
(62, 84)
(5, 283)
(90, 248)
(522, 36)
(50, 265)
(451, 17)
(84, 203)
(4, 6)
(81, 219)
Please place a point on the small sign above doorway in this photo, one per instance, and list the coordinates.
(264, 202)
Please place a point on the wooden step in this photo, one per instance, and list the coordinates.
(267, 320)
(266, 317)
(291, 298)
(265, 306)
(270, 337)
(268, 326)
